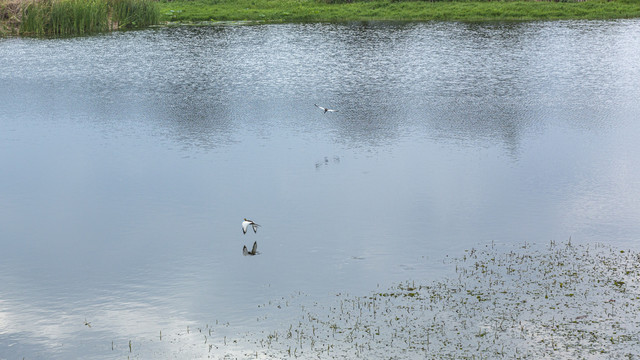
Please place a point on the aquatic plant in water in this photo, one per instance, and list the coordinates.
(559, 300)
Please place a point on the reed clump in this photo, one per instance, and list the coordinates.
(75, 17)
(65, 17)
(134, 13)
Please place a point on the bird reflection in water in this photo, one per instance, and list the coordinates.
(254, 249)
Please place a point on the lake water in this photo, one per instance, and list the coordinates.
(129, 160)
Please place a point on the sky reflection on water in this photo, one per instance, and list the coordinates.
(130, 159)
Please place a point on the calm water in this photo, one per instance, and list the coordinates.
(128, 161)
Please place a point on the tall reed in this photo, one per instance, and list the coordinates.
(77, 17)
(35, 16)
(134, 13)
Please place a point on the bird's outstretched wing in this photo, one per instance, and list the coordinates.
(246, 223)
(254, 250)
(325, 109)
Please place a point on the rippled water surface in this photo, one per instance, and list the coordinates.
(128, 161)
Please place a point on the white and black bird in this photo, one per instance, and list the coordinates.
(325, 109)
(254, 249)
(245, 225)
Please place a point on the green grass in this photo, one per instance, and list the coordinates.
(318, 10)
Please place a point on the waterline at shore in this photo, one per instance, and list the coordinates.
(48, 17)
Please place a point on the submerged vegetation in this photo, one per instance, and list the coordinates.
(557, 300)
(62, 17)
(75, 17)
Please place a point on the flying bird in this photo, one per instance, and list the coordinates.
(245, 225)
(254, 250)
(325, 109)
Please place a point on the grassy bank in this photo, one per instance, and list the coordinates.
(65, 17)
(329, 10)
(74, 17)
